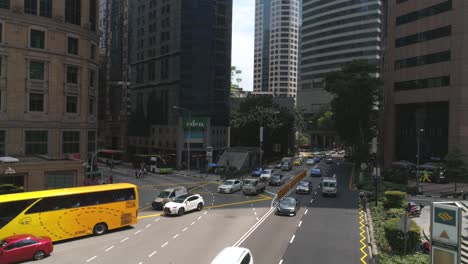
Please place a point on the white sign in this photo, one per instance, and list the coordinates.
(405, 223)
(445, 224)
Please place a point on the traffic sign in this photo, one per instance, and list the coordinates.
(445, 232)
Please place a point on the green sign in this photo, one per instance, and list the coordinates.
(445, 216)
(195, 123)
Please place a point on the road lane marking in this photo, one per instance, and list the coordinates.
(109, 248)
(257, 218)
(183, 230)
(141, 262)
(300, 223)
(199, 217)
(243, 202)
(175, 236)
(311, 201)
(307, 210)
(362, 234)
(157, 219)
(315, 193)
(205, 212)
(165, 244)
(137, 232)
(91, 259)
(148, 225)
(152, 254)
(148, 216)
(255, 213)
(281, 261)
(192, 223)
(123, 240)
(254, 227)
(272, 193)
(292, 239)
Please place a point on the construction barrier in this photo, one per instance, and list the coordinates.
(290, 185)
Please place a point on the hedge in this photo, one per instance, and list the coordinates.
(396, 238)
(395, 199)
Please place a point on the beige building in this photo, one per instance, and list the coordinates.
(48, 90)
(426, 79)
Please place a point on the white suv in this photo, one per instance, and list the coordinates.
(266, 175)
(184, 203)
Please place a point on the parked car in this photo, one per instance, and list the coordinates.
(257, 172)
(233, 255)
(230, 186)
(304, 187)
(253, 186)
(184, 203)
(310, 162)
(266, 175)
(287, 206)
(168, 195)
(316, 173)
(24, 247)
(276, 179)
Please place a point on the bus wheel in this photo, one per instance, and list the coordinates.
(100, 229)
(39, 255)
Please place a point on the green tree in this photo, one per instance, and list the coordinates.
(357, 94)
(235, 81)
(456, 166)
(302, 140)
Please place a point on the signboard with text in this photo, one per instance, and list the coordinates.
(195, 123)
(445, 232)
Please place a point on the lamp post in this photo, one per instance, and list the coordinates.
(186, 141)
(261, 136)
(417, 162)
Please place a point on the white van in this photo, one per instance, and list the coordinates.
(234, 255)
(167, 195)
(329, 186)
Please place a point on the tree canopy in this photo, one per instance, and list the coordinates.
(357, 94)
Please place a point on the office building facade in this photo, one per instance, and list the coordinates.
(426, 79)
(48, 91)
(277, 27)
(180, 56)
(335, 32)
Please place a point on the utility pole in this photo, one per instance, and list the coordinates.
(418, 160)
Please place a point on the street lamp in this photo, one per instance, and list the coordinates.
(186, 141)
(261, 135)
(417, 164)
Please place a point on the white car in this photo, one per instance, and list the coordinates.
(310, 162)
(184, 203)
(230, 186)
(266, 174)
(234, 255)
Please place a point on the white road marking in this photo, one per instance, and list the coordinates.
(257, 218)
(315, 192)
(109, 248)
(137, 232)
(141, 262)
(148, 225)
(252, 229)
(183, 230)
(123, 240)
(292, 239)
(281, 261)
(253, 209)
(192, 223)
(311, 201)
(199, 217)
(205, 212)
(300, 223)
(307, 210)
(165, 244)
(272, 193)
(175, 236)
(157, 219)
(150, 255)
(255, 213)
(91, 259)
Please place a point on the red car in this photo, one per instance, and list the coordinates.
(20, 248)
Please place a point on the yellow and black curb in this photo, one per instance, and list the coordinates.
(362, 233)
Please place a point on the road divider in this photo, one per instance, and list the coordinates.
(286, 188)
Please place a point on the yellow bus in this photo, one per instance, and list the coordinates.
(68, 213)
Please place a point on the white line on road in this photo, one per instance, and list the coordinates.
(281, 261)
(257, 218)
(148, 225)
(272, 193)
(252, 229)
(192, 223)
(199, 217)
(253, 208)
(165, 244)
(255, 213)
(141, 262)
(315, 193)
(300, 223)
(157, 219)
(311, 201)
(183, 230)
(307, 210)
(292, 239)
(205, 212)
(123, 240)
(109, 248)
(150, 255)
(137, 232)
(175, 236)
(91, 259)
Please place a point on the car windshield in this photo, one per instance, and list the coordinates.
(3, 243)
(329, 184)
(228, 182)
(303, 183)
(164, 194)
(288, 201)
(267, 171)
(316, 171)
(247, 182)
(179, 200)
(276, 177)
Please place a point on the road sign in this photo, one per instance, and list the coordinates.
(405, 223)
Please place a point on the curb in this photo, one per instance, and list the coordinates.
(374, 256)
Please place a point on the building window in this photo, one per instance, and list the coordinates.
(92, 14)
(151, 71)
(37, 39)
(36, 102)
(36, 70)
(426, 12)
(91, 141)
(442, 81)
(70, 142)
(72, 46)
(91, 106)
(72, 104)
(423, 60)
(36, 142)
(92, 78)
(1, 32)
(72, 74)
(30, 7)
(60, 179)
(424, 36)
(164, 69)
(5, 4)
(45, 8)
(73, 11)
(93, 52)
(2, 142)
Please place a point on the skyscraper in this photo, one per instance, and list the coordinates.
(276, 51)
(335, 32)
(180, 55)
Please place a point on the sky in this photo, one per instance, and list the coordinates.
(243, 29)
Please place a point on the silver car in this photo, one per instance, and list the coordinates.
(230, 186)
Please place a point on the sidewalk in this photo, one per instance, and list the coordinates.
(437, 189)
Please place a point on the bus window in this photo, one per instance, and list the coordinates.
(10, 210)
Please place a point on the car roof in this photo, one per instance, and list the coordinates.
(230, 255)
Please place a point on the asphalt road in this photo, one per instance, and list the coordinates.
(196, 237)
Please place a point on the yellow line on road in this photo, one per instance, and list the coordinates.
(362, 227)
(243, 202)
(148, 216)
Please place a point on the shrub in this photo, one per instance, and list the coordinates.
(394, 213)
(395, 199)
(396, 176)
(396, 238)
(385, 258)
